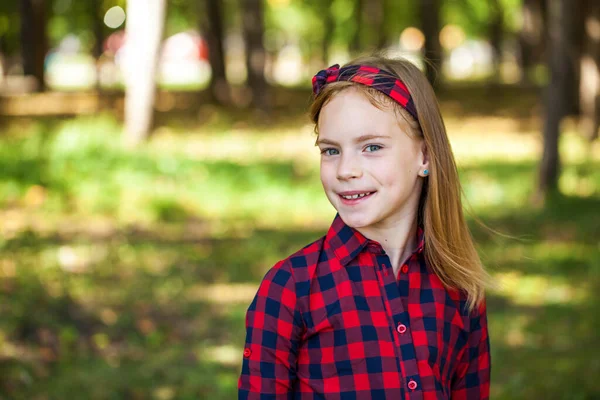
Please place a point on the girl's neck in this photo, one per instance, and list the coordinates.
(398, 240)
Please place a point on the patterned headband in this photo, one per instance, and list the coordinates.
(385, 82)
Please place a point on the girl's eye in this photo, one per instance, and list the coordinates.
(329, 152)
(373, 147)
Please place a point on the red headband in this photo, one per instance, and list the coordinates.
(385, 82)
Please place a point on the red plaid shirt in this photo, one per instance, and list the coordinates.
(333, 322)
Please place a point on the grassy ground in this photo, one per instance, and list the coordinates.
(126, 273)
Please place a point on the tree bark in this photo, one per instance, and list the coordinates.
(557, 94)
(589, 88)
(34, 40)
(429, 15)
(214, 31)
(255, 53)
(144, 30)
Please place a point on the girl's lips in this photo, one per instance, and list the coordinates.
(351, 202)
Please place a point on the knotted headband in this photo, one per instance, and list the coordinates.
(385, 82)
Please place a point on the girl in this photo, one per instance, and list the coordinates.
(389, 304)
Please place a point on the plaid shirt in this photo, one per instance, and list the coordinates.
(333, 322)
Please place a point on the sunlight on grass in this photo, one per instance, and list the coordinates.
(535, 290)
(241, 293)
(226, 355)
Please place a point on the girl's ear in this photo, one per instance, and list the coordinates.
(424, 160)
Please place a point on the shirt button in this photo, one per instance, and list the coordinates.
(404, 268)
(401, 328)
(247, 352)
(412, 385)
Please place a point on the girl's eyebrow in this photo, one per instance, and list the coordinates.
(359, 139)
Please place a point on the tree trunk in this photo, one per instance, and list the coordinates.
(496, 29)
(34, 40)
(589, 89)
(429, 16)
(98, 28)
(144, 29)
(531, 36)
(213, 29)
(355, 43)
(575, 46)
(329, 27)
(557, 94)
(255, 53)
(375, 13)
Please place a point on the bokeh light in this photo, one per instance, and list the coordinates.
(114, 17)
(452, 36)
(412, 39)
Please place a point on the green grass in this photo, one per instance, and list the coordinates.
(126, 273)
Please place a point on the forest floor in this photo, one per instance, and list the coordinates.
(126, 273)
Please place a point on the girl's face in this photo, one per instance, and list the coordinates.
(368, 152)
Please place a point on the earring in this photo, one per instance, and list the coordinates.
(426, 172)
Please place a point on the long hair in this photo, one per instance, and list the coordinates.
(449, 248)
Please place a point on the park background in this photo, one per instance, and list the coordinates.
(156, 159)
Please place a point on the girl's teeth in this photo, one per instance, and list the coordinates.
(356, 196)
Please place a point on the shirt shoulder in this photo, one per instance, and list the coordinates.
(302, 263)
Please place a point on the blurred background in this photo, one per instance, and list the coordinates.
(156, 159)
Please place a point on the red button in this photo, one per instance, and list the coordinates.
(247, 352)
(412, 385)
(404, 268)
(401, 328)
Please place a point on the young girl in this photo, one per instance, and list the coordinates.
(389, 304)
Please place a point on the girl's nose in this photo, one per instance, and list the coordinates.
(348, 169)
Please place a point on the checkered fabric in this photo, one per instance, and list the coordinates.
(385, 82)
(333, 322)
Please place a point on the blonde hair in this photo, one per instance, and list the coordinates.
(449, 249)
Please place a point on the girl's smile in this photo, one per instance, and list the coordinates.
(356, 197)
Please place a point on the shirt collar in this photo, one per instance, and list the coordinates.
(347, 242)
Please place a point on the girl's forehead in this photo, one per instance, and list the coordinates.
(350, 113)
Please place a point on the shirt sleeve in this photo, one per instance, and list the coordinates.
(472, 379)
(273, 330)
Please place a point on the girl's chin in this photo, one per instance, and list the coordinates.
(355, 221)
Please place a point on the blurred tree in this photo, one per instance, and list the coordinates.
(532, 36)
(560, 25)
(376, 16)
(496, 34)
(212, 26)
(589, 88)
(96, 13)
(34, 39)
(253, 26)
(357, 35)
(429, 17)
(328, 29)
(144, 30)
